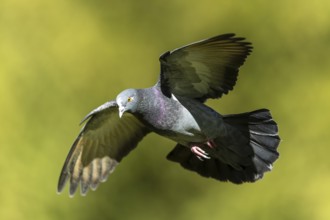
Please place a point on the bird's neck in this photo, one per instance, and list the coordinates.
(153, 108)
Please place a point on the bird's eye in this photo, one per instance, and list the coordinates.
(130, 99)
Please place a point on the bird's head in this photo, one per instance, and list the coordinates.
(127, 101)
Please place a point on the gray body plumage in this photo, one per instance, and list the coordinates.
(237, 148)
(182, 120)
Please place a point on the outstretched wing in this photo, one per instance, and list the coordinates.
(103, 142)
(204, 69)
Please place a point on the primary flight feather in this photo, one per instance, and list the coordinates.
(237, 148)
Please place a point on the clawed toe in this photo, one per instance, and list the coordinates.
(211, 144)
(201, 154)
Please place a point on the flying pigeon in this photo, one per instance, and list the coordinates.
(237, 148)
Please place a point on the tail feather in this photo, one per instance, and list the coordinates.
(258, 122)
(242, 154)
(262, 131)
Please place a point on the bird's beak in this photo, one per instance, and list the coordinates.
(121, 111)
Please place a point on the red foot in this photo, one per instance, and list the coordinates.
(201, 154)
(211, 144)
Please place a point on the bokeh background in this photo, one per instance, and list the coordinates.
(60, 59)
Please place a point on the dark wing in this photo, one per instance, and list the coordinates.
(100, 146)
(205, 69)
(213, 167)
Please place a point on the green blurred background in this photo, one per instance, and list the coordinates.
(60, 59)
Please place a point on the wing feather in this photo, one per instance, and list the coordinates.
(103, 142)
(205, 69)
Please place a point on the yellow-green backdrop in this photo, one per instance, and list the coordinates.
(60, 59)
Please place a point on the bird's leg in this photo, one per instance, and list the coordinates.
(211, 144)
(200, 154)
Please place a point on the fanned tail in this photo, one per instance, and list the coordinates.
(262, 131)
(243, 153)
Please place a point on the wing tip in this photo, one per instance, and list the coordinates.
(108, 165)
(62, 182)
(239, 40)
(58, 192)
(73, 187)
(227, 36)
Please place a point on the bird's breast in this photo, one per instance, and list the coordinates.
(182, 120)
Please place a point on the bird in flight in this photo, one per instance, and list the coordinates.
(237, 147)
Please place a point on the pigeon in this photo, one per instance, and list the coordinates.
(237, 148)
